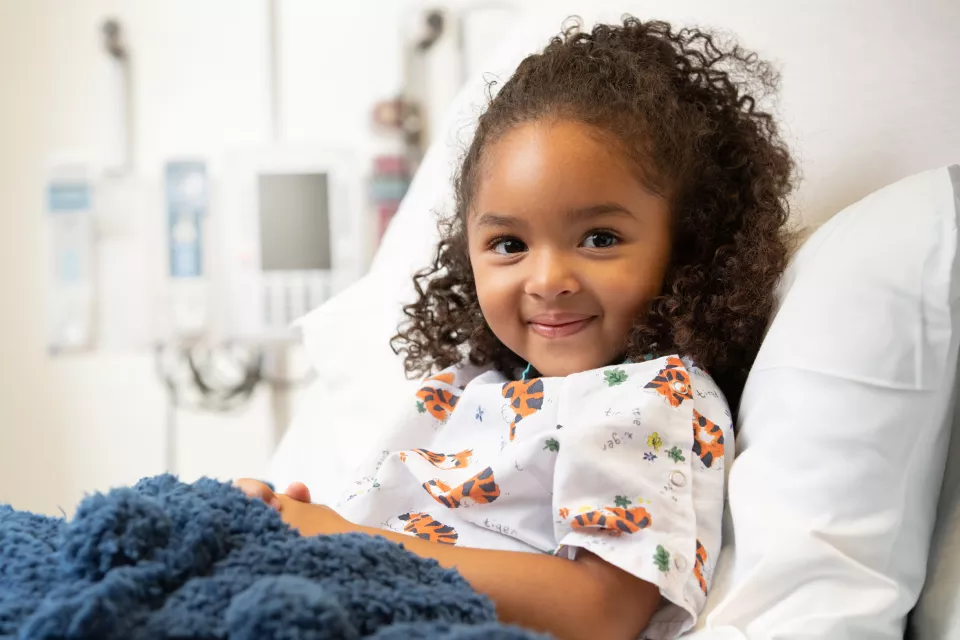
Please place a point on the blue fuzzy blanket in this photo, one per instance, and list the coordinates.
(166, 559)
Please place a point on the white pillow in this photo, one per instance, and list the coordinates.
(843, 424)
(938, 613)
(358, 392)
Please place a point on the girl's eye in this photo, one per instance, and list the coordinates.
(600, 240)
(508, 246)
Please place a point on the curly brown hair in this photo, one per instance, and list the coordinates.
(683, 106)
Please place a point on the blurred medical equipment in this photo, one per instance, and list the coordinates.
(388, 184)
(444, 43)
(292, 235)
(209, 260)
(70, 229)
(186, 192)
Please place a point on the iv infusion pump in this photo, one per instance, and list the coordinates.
(229, 251)
(69, 228)
(292, 234)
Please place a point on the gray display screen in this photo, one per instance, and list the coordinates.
(294, 221)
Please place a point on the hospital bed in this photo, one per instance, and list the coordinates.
(844, 524)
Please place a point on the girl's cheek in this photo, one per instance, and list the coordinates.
(628, 298)
(494, 295)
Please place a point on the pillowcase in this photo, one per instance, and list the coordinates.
(358, 391)
(937, 615)
(844, 423)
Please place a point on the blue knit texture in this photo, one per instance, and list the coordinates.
(165, 559)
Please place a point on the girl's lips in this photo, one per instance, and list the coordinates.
(560, 327)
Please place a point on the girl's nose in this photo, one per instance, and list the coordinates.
(551, 276)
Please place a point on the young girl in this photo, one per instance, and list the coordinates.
(618, 233)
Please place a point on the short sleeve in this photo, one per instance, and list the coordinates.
(639, 478)
(439, 394)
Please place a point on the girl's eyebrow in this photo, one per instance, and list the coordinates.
(503, 221)
(491, 219)
(597, 210)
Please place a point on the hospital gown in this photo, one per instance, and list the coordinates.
(626, 461)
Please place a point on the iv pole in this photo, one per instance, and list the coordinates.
(116, 47)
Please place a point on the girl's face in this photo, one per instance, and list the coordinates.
(567, 247)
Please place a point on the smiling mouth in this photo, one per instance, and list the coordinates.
(560, 328)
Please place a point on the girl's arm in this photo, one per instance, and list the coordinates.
(582, 598)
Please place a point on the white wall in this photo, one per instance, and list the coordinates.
(74, 424)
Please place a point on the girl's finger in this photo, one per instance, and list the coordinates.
(258, 490)
(299, 492)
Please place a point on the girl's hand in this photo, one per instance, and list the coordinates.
(312, 519)
(256, 489)
(299, 492)
(295, 508)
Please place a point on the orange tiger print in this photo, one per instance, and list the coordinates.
(698, 562)
(439, 402)
(526, 398)
(614, 519)
(673, 382)
(480, 489)
(446, 461)
(707, 439)
(425, 527)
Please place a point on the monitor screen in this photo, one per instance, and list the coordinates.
(294, 221)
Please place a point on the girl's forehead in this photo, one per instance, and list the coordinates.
(559, 166)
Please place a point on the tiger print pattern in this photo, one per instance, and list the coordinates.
(673, 382)
(437, 400)
(707, 440)
(616, 520)
(698, 562)
(480, 489)
(446, 461)
(526, 398)
(425, 527)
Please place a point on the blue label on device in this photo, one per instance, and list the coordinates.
(186, 203)
(68, 196)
